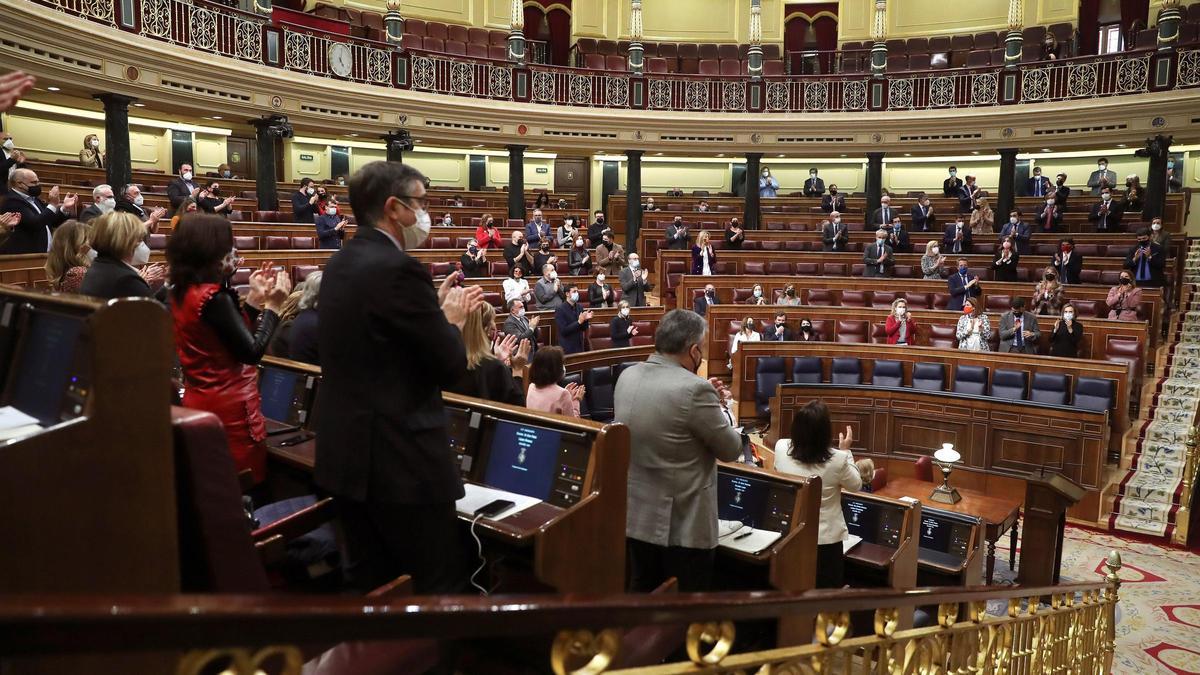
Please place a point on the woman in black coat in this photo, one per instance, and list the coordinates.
(491, 375)
(621, 327)
(1068, 333)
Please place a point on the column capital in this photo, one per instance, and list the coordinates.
(754, 155)
(876, 155)
(114, 99)
(634, 153)
(1008, 151)
(516, 148)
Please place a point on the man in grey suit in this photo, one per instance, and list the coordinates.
(677, 432)
(1102, 177)
(635, 281)
(520, 326)
(1019, 330)
(877, 257)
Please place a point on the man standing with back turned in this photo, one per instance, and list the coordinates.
(677, 432)
(389, 342)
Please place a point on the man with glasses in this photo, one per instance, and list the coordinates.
(35, 220)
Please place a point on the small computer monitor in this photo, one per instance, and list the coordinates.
(945, 532)
(535, 461)
(47, 380)
(759, 503)
(285, 394)
(877, 522)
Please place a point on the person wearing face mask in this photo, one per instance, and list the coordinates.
(757, 297)
(224, 171)
(1134, 197)
(790, 297)
(31, 229)
(103, 201)
(573, 322)
(1018, 230)
(702, 207)
(566, 232)
(1067, 262)
(516, 287)
(610, 256)
(635, 282)
(521, 326)
(900, 327)
(879, 257)
(542, 257)
(779, 331)
(600, 293)
(331, 225)
(542, 201)
(578, 259)
(304, 202)
(1005, 261)
(495, 368)
(677, 235)
(922, 214)
(650, 205)
(90, 156)
(487, 235)
(983, 218)
(1038, 185)
(767, 185)
(1067, 335)
(898, 236)
(814, 186)
(517, 253)
(220, 340)
(834, 201)
(1147, 261)
(835, 234)
(704, 259)
(595, 231)
(747, 333)
(933, 263)
(184, 186)
(705, 300)
(678, 431)
(544, 393)
(973, 330)
(963, 285)
(735, 236)
(1106, 213)
(131, 201)
(1048, 294)
(882, 216)
(69, 257)
(538, 229)
(621, 328)
(951, 187)
(807, 332)
(1050, 216)
(968, 194)
(209, 200)
(548, 291)
(1124, 299)
(1019, 331)
(1102, 177)
(10, 158)
(1174, 182)
(120, 269)
(957, 238)
(474, 261)
(1062, 191)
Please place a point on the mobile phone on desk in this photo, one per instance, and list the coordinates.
(296, 440)
(494, 508)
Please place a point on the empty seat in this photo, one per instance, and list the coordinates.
(986, 41)
(888, 373)
(852, 298)
(846, 371)
(769, 373)
(806, 370)
(833, 269)
(1010, 384)
(918, 62)
(497, 52)
(806, 269)
(970, 380)
(917, 45)
(940, 43)
(731, 67)
(822, 297)
(585, 45)
(304, 242)
(772, 51)
(998, 303)
(961, 43)
(1125, 351)
(615, 63)
(710, 67)
(917, 300)
(432, 44)
(458, 33)
(1093, 393)
(157, 242)
(929, 376)
(455, 48)
(600, 383)
(979, 58)
(882, 298)
(656, 65)
(577, 378)
(725, 51)
(301, 272)
(245, 243)
(593, 61)
(436, 29)
(852, 332)
(606, 47)
(779, 267)
(754, 267)
(897, 63)
(275, 242)
(498, 38)
(412, 41)
(773, 68)
(1049, 388)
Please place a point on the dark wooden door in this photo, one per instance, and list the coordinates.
(573, 175)
(239, 155)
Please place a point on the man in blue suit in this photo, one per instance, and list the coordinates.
(1038, 185)
(572, 321)
(962, 285)
(1017, 229)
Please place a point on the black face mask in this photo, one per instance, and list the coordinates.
(779, 324)
(33, 190)
(805, 328)
(1125, 281)
(1143, 242)
(833, 191)
(600, 219)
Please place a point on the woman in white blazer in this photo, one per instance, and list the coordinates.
(809, 452)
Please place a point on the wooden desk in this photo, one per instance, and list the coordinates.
(1000, 515)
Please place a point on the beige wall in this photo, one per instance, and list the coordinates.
(680, 21)
(912, 18)
(497, 173)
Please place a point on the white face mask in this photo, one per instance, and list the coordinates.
(758, 292)
(600, 280)
(107, 205)
(8, 144)
(187, 175)
(935, 250)
(900, 311)
(1013, 221)
(633, 264)
(520, 313)
(1068, 315)
(95, 143)
(553, 275)
(139, 200)
(624, 311)
(1156, 226)
(417, 234)
(331, 210)
(574, 296)
(1102, 166)
(141, 254)
(1106, 197)
(1007, 244)
(310, 190)
(446, 220)
(1049, 202)
(579, 242)
(837, 221)
(91, 255)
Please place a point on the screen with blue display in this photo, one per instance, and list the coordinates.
(44, 365)
(522, 459)
(278, 389)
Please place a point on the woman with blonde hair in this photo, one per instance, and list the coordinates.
(933, 264)
(494, 369)
(90, 156)
(983, 219)
(704, 260)
(69, 257)
(121, 266)
(1048, 294)
(974, 330)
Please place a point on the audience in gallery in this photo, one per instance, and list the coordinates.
(33, 220)
(304, 202)
(878, 256)
(120, 269)
(900, 327)
(983, 219)
(1018, 231)
(103, 201)
(216, 348)
(579, 260)
(183, 186)
(835, 234)
(516, 287)
(495, 368)
(487, 235)
(1067, 334)
(677, 434)
(90, 156)
(610, 256)
(635, 282)
(789, 297)
(517, 253)
(545, 393)
(706, 300)
(1147, 261)
(595, 231)
(704, 260)
(778, 332)
(735, 236)
(1102, 178)
(1019, 331)
(187, 206)
(330, 224)
(538, 229)
(573, 322)
(1004, 262)
(1124, 299)
(974, 329)
(70, 256)
(756, 296)
(1068, 262)
(523, 328)
(600, 293)
(933, 263)
(677, 235)
(808, 452)
(834, 201)
(473, 262)
(767, 185)
(957, 238)
(548, 291)
(1048, 294)
(621, 328)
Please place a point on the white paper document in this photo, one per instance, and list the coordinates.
(14, 423)
(850, 542)
(478, 496)
(749, 540)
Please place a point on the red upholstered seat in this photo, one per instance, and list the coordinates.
(731, 67)
(497, 38)
(245, 243)
(656, 65)
(773, 68)
(431, 44)
(498, 268)
(822, 297)
(157, 242)
(853, 298)
(833, 269)
(440, 269)
(436, 29)
(779, 267)
(412, 41)
(456, 48)
(882, 298)
(924, 469)
(710, 67)
(754, 267)
(854, 332)
(998, 303)
(585, 45)
(458, 33)
(917, 300)
(477, 50)
(593, 61)
(477, 36)
(414, 27)
(304, 242)
(497, 52)
(275, 242)
(615, 63)
(301, 272)
(606, 47)
(770, 245)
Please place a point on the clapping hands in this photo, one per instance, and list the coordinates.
(10, 220)
(269, 287)
(577, 390)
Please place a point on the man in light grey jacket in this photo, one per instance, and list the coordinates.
(677, 432)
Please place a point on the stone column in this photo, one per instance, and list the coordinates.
(1007, 197)
(393, 22)
(1158, 150)
(1014, 42)
(879, 35)
(755, 66)
(516, 33)
(516, 181)
(1169, 18)
(633, 199)
(635, 58)
(118, 169)
(264, 177)
(874, 183)
(750, 219)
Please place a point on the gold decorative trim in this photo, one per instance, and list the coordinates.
(598, 651)
(719, 635)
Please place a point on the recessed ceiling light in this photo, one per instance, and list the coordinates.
(658, 154)
(843, 155)
(974, 152)
(53, 89)
(354, 135)
(216, 117)
(780, 155)
(1045, 149)
(1120, 145)
(139, 105)
(907, 154)
(721, 154)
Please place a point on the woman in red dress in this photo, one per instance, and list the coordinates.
(216, 335)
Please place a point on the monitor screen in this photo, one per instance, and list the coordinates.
(874, 521)
(522, 458)
(44, 366)
(283, 394)
(945, 532)
(759, 503)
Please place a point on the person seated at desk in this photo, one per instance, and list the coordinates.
(1004, 263)
(495, 370)
(807, 334)
(922, 214)
(1067, 262)
(756, 296)
(446, 221)
(1124, 299)
(1067, 334)
(1019, 330)
(1018, 230)
(834, 201)
(650, 206)
(814, 186)
(900, 327)
(779, 332)
(1038, 185)
(69, 257)
(1049, 216)
(745, 334)
(544, 392)
(808, 452)
(789, 297)
(621, 328)
(1147, 261)
(706, 300)
(835, 235)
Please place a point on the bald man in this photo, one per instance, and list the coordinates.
(39, 218)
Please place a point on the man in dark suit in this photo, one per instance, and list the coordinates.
(1019, 330)
(182, 187)
(677, 235)
(10, 157)
(1018, 230)
(883, 215)
(1038, 185)
(1102, 177)
(709, 298)
(389, 342)
(834, 201)
(878, 257)
(1147, 261)
(38, 219)
(1061, 190)
(572, 321)
(635, 281)
(779, 332)
(130, 201)
(304, 202)
(950, 186)
(897, 236)
(957, 237)
(835, 235)
(922, 215)
(814, 186)
(595, 231)
(520, 326)
(1067, 262)
(1106, 213)
(1049, 216)
(962, 285)
(103, 202)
